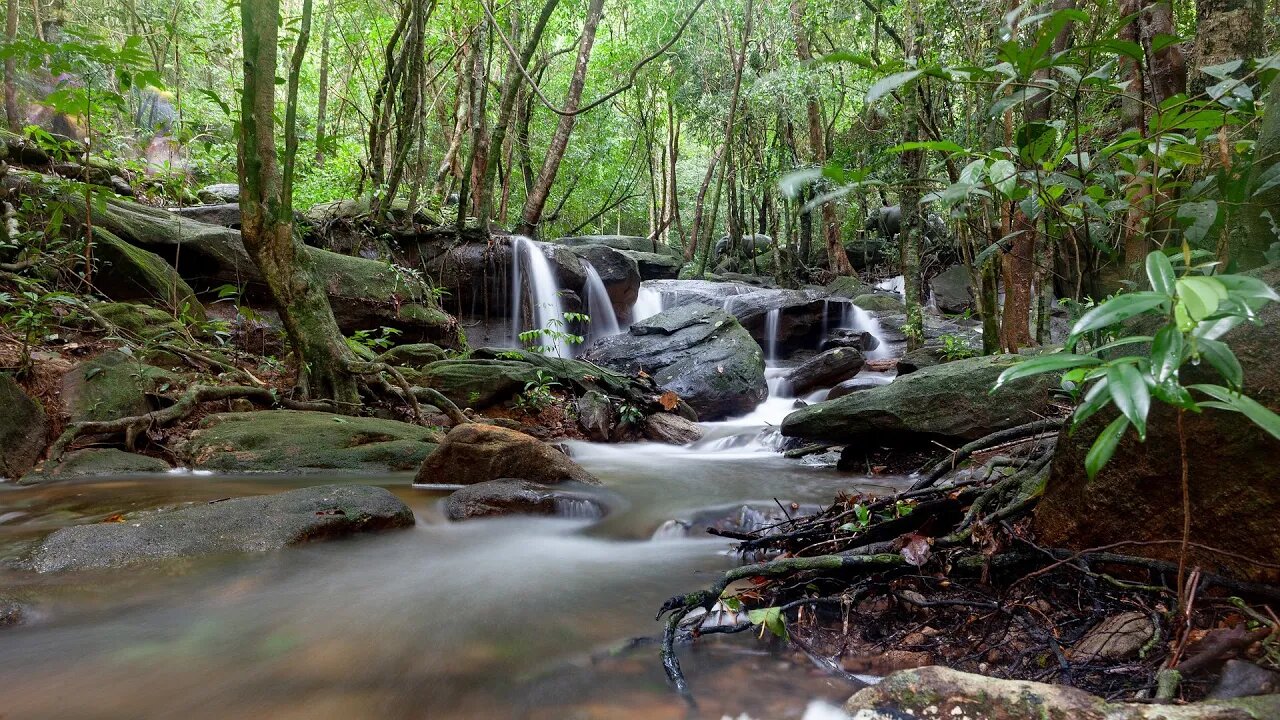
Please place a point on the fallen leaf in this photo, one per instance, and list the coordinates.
(669, 400)
(915, 549)
(117, 518)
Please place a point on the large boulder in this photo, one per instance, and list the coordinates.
(672, 429)
(295, 441)
(787, 319)
(620, 242)
(126, 272)
(655, 266)
(702, 354)
(238, 525)
(475, 453)
(414, 355)
(97, 462)
(112, 386)
(939, 692)
(1232, 472)
(224, 214)
(619, 273)
(950, 402)
(478, 383)
(143, 321)
(508, 496)
(953, 290)
(23, 430)
(826, 369)
(219, 193)
(879, 302)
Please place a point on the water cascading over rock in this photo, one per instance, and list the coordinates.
(604, 321)
(535, 296)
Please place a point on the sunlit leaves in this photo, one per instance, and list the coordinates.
(1105, 446)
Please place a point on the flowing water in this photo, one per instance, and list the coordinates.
(648, 303)
(535, 295)
(604, 321)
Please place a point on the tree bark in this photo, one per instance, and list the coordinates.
(691, 245)
(1225, 30)
(266, 206)
(322, 104)
(462, 111)
(12, 117)
(1262, 213)
(909, 198)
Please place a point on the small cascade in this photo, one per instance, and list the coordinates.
(826, 321)
(862, 321)
(649, 302)
(771, 323)
(577, 508)
(894, 285)
(535, 293)
(604, 321)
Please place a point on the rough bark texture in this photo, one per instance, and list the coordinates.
(322, 103)
(11, 114)
(1263, 211)
(267, 219)
(1225, 30)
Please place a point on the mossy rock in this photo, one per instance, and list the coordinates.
(415, 355)
(295, 441)
(478, 383)
(97, 462)
(848, 286)
(126, 272)
(143, 321)
(112, 386)
(23, 429)
(877, 302)
(367, 294)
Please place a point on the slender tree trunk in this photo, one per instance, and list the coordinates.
(12, 116)
(462, 112)
(1225, 30)
(322, 104)
(1262, 213)
(266, 206)
(909, 198)
(691, 245)
(673, 156)
(479, 91)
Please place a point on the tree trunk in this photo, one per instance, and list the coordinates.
(909, 197)
(266, 206)
(1262, 213)
(691, 245)
(322, 104)
(479, 93)
(1225, 30)
(12, 117)
(462, 112)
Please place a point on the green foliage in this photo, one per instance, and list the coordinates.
(376, 341)
(1197, 309)
(537, 394)
(552, 339)
(956, 347)
(630, 414)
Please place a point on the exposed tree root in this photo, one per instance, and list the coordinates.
(937, 470)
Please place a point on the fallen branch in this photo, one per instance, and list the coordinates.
(942, 467)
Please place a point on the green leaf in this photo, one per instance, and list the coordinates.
(1166, 353)
(1267, 179)
(1118, 309)
(1201, 295)
(770, 618)
(939, 145)
(1261, 416)
(1202, 216)
(1004, 175)
(1250, 288)
(889, 83)
(1130, 394)
(1105, 446)
(1160, 272)
(1223, 360)
(1044, 364)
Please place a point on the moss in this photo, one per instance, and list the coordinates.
(876, 302)
(126, 272)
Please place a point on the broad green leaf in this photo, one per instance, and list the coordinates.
(1160, 272)
(1118, 309)
(1248, 287)
(1130, 394)
(1131, 340)
(1201, 295)
(770, 618)
(1004, 175)
(1172, 393)
(1223, 360)
(889, 83)
(1044, 364)
(939, 145)
(1202, 216)
(1105, 446)
(1166, 353)
(1095, 399)
(1268, 179)
(1250, 408)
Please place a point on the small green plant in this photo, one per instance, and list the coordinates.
(956, 347)
(33, 314)
(630, 414)
(375, 341)
(537, 395)
(862, 519)
(551, 339)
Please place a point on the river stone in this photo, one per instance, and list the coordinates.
(655, 266)
(415, 355)
(1233, 475)
(879, 302)
(478, 383)
(825, 370)
(144, 321)
(296, 441)
(844, 337)
(595, 415)
(224, 214)
(112, 386)
(950, 402)
(1117, 638)
(507, 496)
(922, 357)
(953, 290)
(93, 462)
(671, 428)
(619, 273)
(126, 272)
(620, 242)
(697, 351)
(23, 430)
(847, 286)
(939, 693)
(475, 453)
(1244, 679)
(238, 525)
(853, 385)
(219, 193)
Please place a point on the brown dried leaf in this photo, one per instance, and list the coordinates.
(669, 400)
(915, 549)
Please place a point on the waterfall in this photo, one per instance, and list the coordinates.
(604, 321)
(771, 322)
(648, 303)
(541, 292)
(862, 321)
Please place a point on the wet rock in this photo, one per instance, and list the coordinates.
(951, 401)
(847, 286)
(700, 353)
(922, 357)
(112, 386)
(478, 383)
(853, 385)
(94, 462)
(671, 428)
(415, 355)
(953, 290)
(634, 243)
(879, 302)
(11, 612)
(295, 441)
(126, 272)
(938, 693)
(23, 430)
(475, 453)
(224, 214)
(655, 266)
(239, 525)
(1116, 638)
(618, 271)
(144, 321)
(844, 338)
(595, 414)
(826, 369)
(220, 193)
(1244, 679)
(508, 496)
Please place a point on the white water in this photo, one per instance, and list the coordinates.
(771, 323)
(648, 303)
(533, 286)
(604, 321)
(862, 321)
